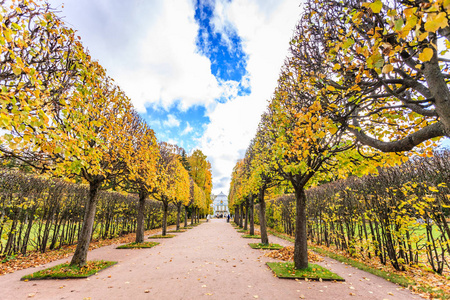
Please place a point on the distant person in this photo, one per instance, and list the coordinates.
(228, 219)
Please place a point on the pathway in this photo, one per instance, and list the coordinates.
(210, 261)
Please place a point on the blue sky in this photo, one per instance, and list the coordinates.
(200, 72)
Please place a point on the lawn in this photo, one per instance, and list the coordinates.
(265, 246)
(286, 270)
(138, 245)
(65, 271)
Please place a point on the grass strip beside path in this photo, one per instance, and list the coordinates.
(265, 246)
(287, 270)
(248, 236)
(401, 280)
(160, 236)
(138, 245)
(398, 279)
(65, 271)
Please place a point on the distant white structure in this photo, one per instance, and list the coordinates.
(220, 205)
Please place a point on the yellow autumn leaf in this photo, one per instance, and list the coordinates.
(376, 6)
(426, 54)
(332, 130)
(387, 68)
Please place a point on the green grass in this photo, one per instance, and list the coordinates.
(179, 230)
(313, 272)
(138, 245)
(265, 246)
(188, 227)
(401, 280)
(282, 236)
(65, 271)
(160, 236)
(242, 231)
(248, 236)
(397, 279)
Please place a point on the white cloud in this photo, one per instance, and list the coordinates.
(265, 28)
(171, 121)
(149, 48)
(187, 130)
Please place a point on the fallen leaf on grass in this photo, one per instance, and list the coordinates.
(287, 253)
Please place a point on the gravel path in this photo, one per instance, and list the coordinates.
(210, 261)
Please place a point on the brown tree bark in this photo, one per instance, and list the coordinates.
(178, 215)
(251, 214)
(80, 256)
(246, 215)
(140, 217)
(301, 245)
(262, 217)
(164, 221)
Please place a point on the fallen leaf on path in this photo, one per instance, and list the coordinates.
(146, 291)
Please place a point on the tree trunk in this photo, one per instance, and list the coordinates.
(246, 215)
(301, 245)
(185, 216)
(178, 215)
(140, 217)
(80, 256)
(241, 218)
(262, 217)
(251, 212)
(164, 220)
(192, 216)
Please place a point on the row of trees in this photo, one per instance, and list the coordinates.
(399, 216)
(37, 213)
(363, 83)
(61, 114)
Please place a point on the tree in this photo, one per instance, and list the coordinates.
(201, 174)
(141, 175)
(263, 171)
(182, 189)
(168, 183)
(60, 112)
(387, 62)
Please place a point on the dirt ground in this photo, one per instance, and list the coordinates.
(210, 261)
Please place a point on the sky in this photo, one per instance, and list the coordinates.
(200, 72)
